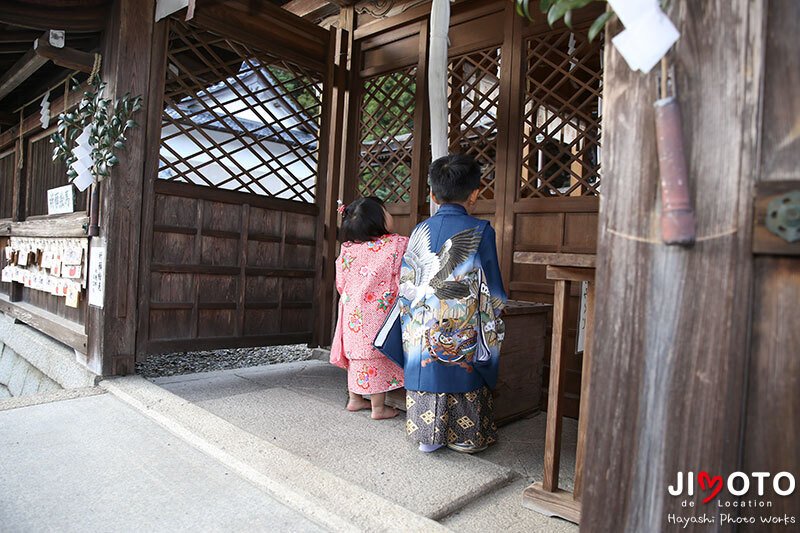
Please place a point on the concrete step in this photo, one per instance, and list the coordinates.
(323, 497)
(300, 408)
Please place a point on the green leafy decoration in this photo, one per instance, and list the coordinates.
(600, 23)
(556, 10)
(106, 132)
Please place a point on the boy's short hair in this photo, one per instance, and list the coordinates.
(454, 177)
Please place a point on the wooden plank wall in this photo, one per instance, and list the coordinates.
(229, 269)
(772, 415)
(670, 353)
(225, 269)
(42, 174)
(7, 172)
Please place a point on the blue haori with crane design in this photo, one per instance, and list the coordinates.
(444, 328)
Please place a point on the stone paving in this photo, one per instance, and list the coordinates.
(300, 407)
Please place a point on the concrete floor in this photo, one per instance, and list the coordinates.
(265, 448)
(300, 407)
(96, 464)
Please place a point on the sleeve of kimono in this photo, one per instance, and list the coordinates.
(337, 356)
(490, 306)
(487, 252)
(339, 274)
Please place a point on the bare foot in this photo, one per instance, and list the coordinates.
(358, 405)
(386, 412)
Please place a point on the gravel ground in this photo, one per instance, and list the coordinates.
(172, 364)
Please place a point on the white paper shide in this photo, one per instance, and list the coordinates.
(648, 33)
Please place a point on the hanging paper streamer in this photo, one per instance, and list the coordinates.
(44, 113)
(165, 8)
(83, 162)
(648, 33)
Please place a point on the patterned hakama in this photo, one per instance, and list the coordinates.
(451, 418)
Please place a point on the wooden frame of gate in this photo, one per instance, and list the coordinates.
(524, 99)
(232, 242)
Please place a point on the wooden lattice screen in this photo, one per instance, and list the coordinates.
(386, 135)
(561, 128)
(238, 118)
(474, 96)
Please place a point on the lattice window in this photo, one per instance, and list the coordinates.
(561, 127)
(386, 135)
(473, 97)
(238, 118)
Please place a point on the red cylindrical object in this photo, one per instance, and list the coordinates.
(677, 213)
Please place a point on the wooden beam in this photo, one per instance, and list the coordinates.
(311, 8)
(31, 122)
(555, 259)
(64, 57)
(8, 119)
(69, 225)
(69, 18)
(48, 323)
(570, 273)
(552, 503)
(20, 71)
(21, 36)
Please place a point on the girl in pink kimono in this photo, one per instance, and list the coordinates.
(367, 277)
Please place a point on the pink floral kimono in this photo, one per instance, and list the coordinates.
(367, 277)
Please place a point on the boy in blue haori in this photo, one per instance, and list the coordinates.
(445, 328)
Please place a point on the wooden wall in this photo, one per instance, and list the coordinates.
(222, 268)
(7, 172)
(23, 212)
(772, 412)
(42, 174)
(695, 357)
(228, 269)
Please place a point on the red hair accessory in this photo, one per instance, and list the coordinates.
(341, 207)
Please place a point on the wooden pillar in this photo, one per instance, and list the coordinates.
(334, 113)
(337, 106)
(772, 410)
(126, 68)
(351, 143)
(420, 163)
(670, 341)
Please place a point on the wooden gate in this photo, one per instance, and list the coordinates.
(231, 239)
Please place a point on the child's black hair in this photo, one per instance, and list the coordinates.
(454, 177)
(363, 220)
